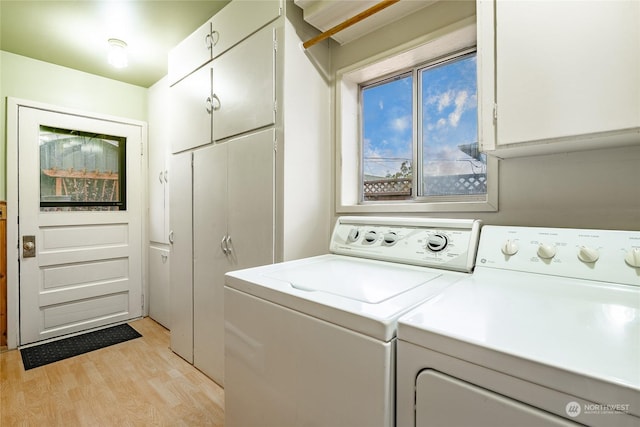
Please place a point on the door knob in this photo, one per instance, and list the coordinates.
(28, 246)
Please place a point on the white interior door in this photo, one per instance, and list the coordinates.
(80, 201)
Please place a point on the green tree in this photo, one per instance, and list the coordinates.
(405, 171)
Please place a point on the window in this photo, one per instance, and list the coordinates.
(80, 171)
(443, 155)
(408, 131)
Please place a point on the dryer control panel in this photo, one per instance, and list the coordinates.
(432, 242)
(601, 255)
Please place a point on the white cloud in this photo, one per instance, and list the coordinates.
(460, 103)
(401, 124)
(444, 100)
(450, 161)
(380, 161)
(459, 99)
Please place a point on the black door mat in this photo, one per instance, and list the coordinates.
(43, 354)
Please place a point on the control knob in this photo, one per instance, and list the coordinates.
(390, 238)
(353, 235)
(370, 236)
(510, 247)
(546, 251)
(587, 254)
(437, 242)
(633, 258)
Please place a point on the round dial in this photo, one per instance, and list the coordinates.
(353, 235)
(587, 254)
(390, 238)
(437, 242)
(370, 236)
(510, 247)
(546, 251)
(633, 258)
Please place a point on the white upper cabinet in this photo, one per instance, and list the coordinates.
(219, 34)
(228, 29)
(190, 107)
(244, 86)
(193, 52)
(558, 76)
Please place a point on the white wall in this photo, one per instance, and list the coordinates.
(33, 80)
(590, 189)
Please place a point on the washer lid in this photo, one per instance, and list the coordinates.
(363, 295)
(367, 282)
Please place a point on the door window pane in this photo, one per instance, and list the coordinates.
(81, 171)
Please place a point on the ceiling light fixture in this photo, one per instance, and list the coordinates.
(117, 53)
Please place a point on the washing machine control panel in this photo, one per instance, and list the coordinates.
(440, 243)
(600, 255)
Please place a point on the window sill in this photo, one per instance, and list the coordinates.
(409, 207)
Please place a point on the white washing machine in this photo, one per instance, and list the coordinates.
(311, 342)
(545, 332)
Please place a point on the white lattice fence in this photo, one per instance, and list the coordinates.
(401, 188)
(387, 189)
(455, 185)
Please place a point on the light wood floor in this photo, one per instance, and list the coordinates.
(137, 383)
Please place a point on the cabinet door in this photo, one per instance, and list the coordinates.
(157, 200)
(159, 295)
(158, 119)
(190, 111)
(190, 54)
(209, 261)
(250, 177)
(244, 86)
(181, 239)
(566, 68)
(237, 20)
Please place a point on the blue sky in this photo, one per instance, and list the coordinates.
(449, 101)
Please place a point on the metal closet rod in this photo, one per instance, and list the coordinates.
(349, 22)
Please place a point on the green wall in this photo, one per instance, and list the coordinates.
(29, 79)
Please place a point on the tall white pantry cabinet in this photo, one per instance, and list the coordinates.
(250, 137)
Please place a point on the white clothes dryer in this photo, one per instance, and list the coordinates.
(546, 332)
(311, 342)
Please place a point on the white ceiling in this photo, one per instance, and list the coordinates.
(74, 34)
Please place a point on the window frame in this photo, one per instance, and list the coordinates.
(451, 40)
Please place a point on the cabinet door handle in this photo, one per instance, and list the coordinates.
(228, 244)
(166, 176)
(171, 237)
(160, 177)
(211, 39)
(223, 245)
(208, 104)
(215, 102)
